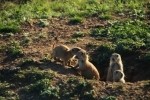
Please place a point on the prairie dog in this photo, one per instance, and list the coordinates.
(115, 64)
(118, 76)
(64, 53)
(87, 69)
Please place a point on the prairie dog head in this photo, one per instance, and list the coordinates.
(118, 75)
(75, 50)
(115, 58)
(82, 55)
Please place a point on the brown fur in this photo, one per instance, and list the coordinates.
(118, 76)
(115, 64)
(87, 69)
(64, 53)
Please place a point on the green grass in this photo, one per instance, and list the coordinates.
(12, 49)
(6, 92)
(126, 35)
(13, 14)
(75, 20)
(42, 87)
(78, 34)
(110, 98)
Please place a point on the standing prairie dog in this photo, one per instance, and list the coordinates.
(118, 76)
(115, 64)
(64, 53)
(87, 69)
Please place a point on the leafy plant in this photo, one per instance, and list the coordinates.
(51, 92)
(39, 86)
(104, 16)
(99, 32)
(75, 20)
(110, 98)
(32, 75)
(128, 34)
(13, 49)
(6, 92)
(78, 34)
(127, 46)
(43, 23)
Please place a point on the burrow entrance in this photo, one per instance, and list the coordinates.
(136, 67)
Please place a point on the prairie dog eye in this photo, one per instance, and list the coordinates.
(82, 53)
(117, 56)
(116, 72)
(113, 59)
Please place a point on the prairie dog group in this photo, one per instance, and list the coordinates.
(87, 69)
(64, 53)
(115, 69)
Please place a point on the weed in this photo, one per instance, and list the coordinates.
(26, 41)
(39, 86)
(78, 88)
(33, 75)
(26, 62)
(5, 35)
(47, 58)
(127, 46)
(99, 32)
(104, 16)
(78, 34)
(74, 40)
(42, 35)
(92, 45)
(75, 20)
(50, 92)
(73, 80)
(9, 27)
(43, 89)
(13, 49)
(3, 89)
(110, 98)
(43, 23)
(6, 92)
(84, 90)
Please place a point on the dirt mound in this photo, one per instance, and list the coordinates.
(36, 44)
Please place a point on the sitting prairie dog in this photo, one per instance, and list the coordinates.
(87, 69)
(64, 53)
(115, 64)
(118, 76)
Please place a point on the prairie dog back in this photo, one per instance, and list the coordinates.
(60, 51)
(88, 70)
